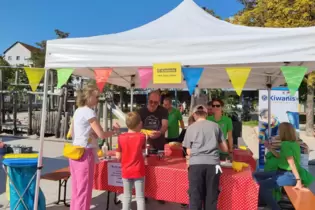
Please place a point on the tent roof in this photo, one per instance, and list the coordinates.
(193, 37)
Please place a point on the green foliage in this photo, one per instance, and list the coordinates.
(278, 13)
(8, 75)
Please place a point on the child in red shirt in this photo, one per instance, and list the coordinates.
(130, 153)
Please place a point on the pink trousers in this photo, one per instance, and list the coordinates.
(82, 172)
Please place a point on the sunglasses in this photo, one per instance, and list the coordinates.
(154, 102)
(216, 105)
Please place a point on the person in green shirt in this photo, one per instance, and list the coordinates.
(224, 122)
(289, 172)
(175, 120)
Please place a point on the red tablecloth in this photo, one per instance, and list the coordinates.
(167, 180)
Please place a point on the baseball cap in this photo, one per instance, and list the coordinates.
(200, 108)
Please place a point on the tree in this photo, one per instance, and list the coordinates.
(8, 74)
(38, 57)
(211, 12)
(248, 3)
(283, 14)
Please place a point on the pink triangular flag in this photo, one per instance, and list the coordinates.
(145, 76)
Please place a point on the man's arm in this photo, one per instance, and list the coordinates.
(164, 126)
(180, 119)
(221, 141)
(230, 135)
(182, 125)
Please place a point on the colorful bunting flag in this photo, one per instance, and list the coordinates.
(34, 76)
(167, 73)
(101, 77)
(293, 76)
(145, 76)
(63, 76)
(192, 76)
(238, 77)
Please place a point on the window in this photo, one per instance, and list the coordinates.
(10, 58)
(17, 58)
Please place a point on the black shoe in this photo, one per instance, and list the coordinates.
(161, 202)
(184, 205)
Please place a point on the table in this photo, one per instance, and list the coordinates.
(167, 180)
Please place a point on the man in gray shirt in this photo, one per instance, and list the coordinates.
(202, 140)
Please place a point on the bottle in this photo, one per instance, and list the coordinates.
(147, 149)
(105, 150)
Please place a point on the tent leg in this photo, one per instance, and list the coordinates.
(269, 86)
(41, 139)
(131, 99)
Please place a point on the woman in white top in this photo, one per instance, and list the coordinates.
(84, 125)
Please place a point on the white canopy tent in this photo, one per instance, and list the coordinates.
(192, 37)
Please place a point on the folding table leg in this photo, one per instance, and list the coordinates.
(59, 192)
(115, 200)
(65, 193)
(107, 203)
(62, 183)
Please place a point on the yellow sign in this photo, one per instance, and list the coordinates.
(167, 73)
(238, 77)
(34, 76)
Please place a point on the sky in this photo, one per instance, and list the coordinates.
(32, 21)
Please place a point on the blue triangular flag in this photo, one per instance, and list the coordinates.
(192, 76)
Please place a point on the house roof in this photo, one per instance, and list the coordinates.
(27, 46)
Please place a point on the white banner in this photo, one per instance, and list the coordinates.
(281, 103)
(114, 174)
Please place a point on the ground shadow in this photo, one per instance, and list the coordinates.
(7, 139)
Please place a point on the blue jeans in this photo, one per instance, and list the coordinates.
(270, 180)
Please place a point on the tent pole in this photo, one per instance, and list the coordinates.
(41, 139)
(131, 91)
(269, 86)
(131, 98)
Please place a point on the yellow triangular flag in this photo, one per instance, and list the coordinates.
(238, 77)
(34, 76)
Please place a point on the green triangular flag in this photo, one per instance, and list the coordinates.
(293, 76)
(63, 76)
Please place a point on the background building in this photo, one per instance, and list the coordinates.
(19, 54)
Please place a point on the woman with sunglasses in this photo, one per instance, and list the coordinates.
(224, 122)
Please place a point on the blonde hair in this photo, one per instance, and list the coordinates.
(287, 132)
(133, 119)
(83, 95)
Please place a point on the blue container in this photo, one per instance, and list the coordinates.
(21, 171)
